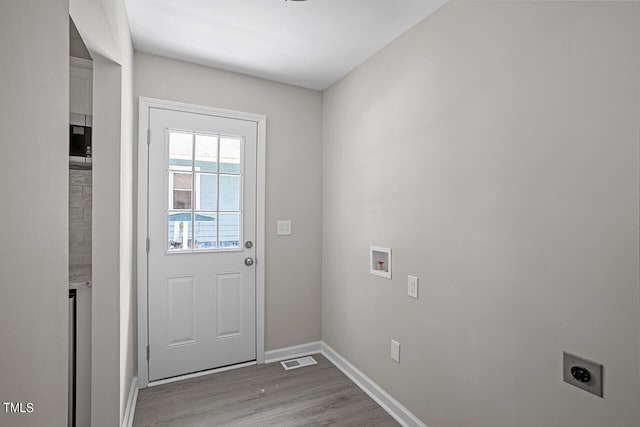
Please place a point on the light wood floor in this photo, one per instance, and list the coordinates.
(262, 395)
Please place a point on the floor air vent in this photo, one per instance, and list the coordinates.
(300, 362)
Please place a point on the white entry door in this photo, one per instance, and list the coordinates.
(201, 249)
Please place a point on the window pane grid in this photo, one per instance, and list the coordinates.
(204, 171)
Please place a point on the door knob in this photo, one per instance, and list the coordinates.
(248, 261)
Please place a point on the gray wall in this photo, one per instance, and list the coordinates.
(104, 27)
(128, 322)
(494, 147)
(105, 325)
(293, 180)
(34, 168)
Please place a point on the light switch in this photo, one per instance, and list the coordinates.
(284, 228)
(412, 286)
(395, 350)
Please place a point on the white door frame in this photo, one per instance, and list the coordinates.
(143, 124)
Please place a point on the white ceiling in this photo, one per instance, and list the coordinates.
(310, 43)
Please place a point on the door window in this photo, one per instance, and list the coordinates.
(205, 192)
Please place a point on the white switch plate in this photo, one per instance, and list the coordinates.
(412, 286)
(395, 350)
(284, 228)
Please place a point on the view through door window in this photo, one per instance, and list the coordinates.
(205, 192)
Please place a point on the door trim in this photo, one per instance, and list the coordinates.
(145, 104)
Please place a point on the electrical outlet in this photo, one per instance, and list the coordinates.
(582, 373)
(412, 286)
(395, 350)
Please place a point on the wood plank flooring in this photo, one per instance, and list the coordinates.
(262, 395)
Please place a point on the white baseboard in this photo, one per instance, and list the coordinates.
(381, 397)
(130, 410)
(293, 352)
